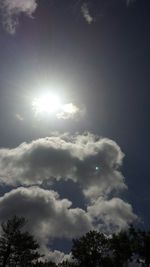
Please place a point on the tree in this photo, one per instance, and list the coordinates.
(45, 264)
(67, 264)
(141, 245)
(91, 250)
(17, 248)
(120, 245)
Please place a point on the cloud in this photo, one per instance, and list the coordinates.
(11, 10)
(19, 117)
(48, 216)
(69, 111)
(92, 161)
(58, 256)
(86, 13)
(111, 215)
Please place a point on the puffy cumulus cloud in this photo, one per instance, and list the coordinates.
(86, 13)
(111, 215)
(48, 216)
(11, 9)
(92, 161)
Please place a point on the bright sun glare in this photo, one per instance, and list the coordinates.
(48, 103)
(51, 103)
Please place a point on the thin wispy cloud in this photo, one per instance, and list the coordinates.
(11, 10)
(86, 13)
(19, 117)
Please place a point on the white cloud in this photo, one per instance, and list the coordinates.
(58, 256)
(48, 216)
(69, 111)
(86, 13)
(111, 215)
(92, 161)
(11, 9)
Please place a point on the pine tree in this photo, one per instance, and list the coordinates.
(91, 250)
(17, 248)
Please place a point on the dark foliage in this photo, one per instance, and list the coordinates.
(140, 242)
(67, 264)
(97, 250)
(121, 248)
(45, 264)
(91, 249)
(17, 248)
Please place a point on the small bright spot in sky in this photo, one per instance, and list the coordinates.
(97, 168)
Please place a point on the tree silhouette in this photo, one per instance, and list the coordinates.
(140, 241)
(67, 264)
(17, 248)
(94, 249)
(91, 250)
(120, 246)
(45, 264)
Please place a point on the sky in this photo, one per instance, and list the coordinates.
(74, 117)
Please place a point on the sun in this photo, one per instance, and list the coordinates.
(53, 105)
(47, 103)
